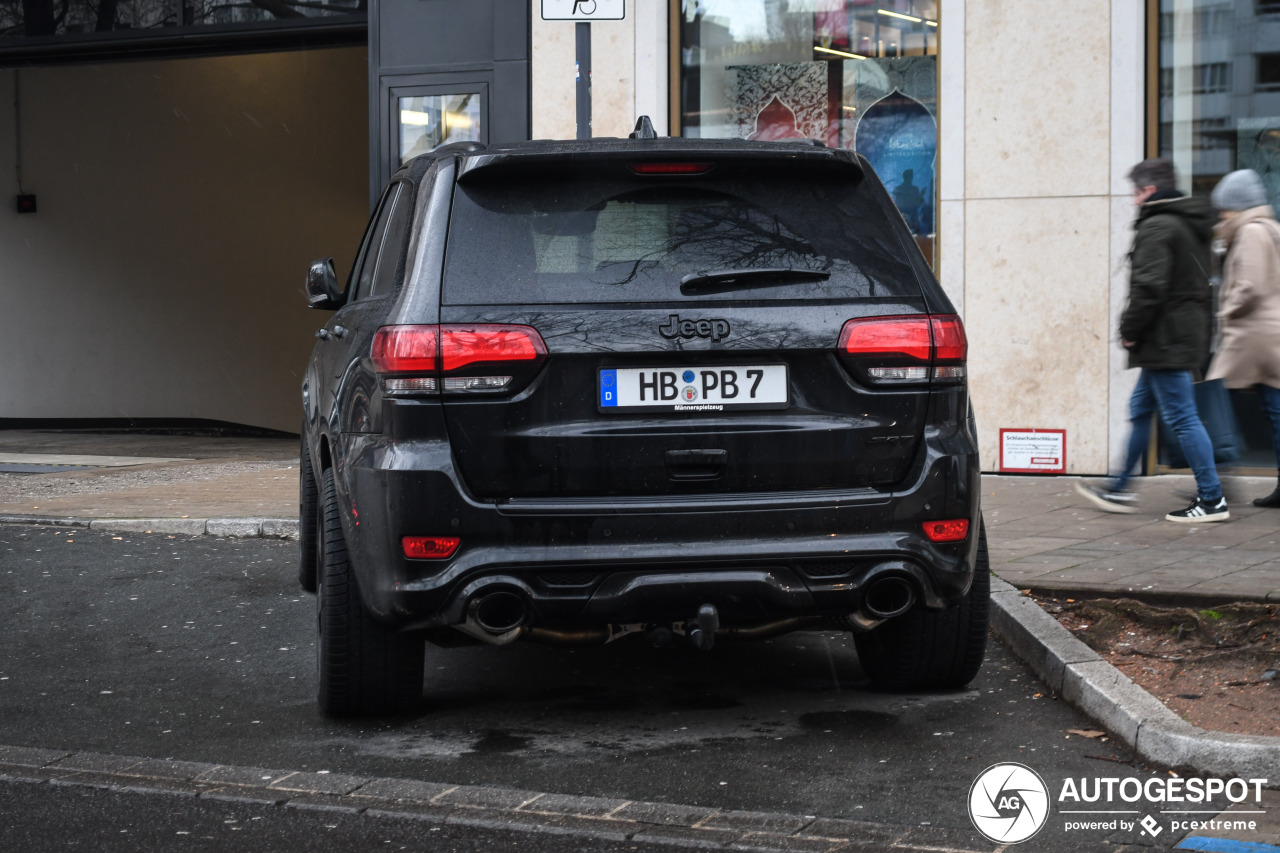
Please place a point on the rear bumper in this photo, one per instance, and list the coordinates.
(742, 593)
(586, 563)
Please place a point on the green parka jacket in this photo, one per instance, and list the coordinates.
(1168, 313)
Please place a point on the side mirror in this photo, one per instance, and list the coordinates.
(322, 285)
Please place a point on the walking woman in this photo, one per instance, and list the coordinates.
(1249, 302)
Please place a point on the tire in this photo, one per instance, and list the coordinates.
(364, 668)
(308, 517)
(932, 649)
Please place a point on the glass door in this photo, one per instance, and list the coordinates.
(421, 112)
(429, 121)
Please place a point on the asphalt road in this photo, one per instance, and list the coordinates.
(201, 649)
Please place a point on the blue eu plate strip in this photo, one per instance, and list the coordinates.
(608, 388)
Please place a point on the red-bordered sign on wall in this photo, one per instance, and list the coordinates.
(1033, 451)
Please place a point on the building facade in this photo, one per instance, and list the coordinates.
(181, 195)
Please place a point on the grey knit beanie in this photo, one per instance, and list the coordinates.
(1239, 190)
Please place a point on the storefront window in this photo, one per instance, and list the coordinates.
(1219, 90)
(1219, 110)
(854, 74)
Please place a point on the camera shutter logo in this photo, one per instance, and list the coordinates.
(1008, 803)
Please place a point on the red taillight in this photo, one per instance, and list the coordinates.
(430, 547)
(954, 530)
(431, 353)
(909, 350)
(406, 349)
(670, 168)
(949, 341)
(463, 345)
(880, 336)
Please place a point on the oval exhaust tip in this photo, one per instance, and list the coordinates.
(888, 597)
(500, 612)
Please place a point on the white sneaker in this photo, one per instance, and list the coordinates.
(1201, 511)
(1108, 501)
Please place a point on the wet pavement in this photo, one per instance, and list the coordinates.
(201, 648)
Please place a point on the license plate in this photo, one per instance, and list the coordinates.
(694, 389)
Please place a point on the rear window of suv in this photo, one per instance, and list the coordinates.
(584, 239)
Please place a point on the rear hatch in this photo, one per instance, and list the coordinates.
(695, 313)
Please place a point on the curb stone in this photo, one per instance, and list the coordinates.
(1172, 598)
(279, 528)
(472, 805)
(47, 520)
(232, 528)
(180, 526)
(1134, 716)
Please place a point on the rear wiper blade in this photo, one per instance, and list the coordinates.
(723, 281)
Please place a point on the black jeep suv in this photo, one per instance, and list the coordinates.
(690, 389)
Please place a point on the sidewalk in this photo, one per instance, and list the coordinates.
(128, 475)
(1042, 534)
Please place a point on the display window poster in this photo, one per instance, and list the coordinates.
(1258, 148)
(1033, 451)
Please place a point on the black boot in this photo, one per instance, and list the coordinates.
(1271, 500)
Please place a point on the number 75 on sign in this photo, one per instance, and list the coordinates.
(583, 10)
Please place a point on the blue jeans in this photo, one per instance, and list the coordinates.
(1170, 393)
(1271, 405)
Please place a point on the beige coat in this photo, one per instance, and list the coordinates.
(1249, 301)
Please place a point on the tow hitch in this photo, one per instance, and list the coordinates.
(701, 630)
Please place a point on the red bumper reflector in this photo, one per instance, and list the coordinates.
(430, 547)
(947, 531)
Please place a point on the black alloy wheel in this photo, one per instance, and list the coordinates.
(308, 515)
(364, 668)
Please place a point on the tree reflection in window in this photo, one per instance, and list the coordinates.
(559, 245)
(36, 18)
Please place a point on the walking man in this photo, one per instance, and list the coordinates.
(1165, 328)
